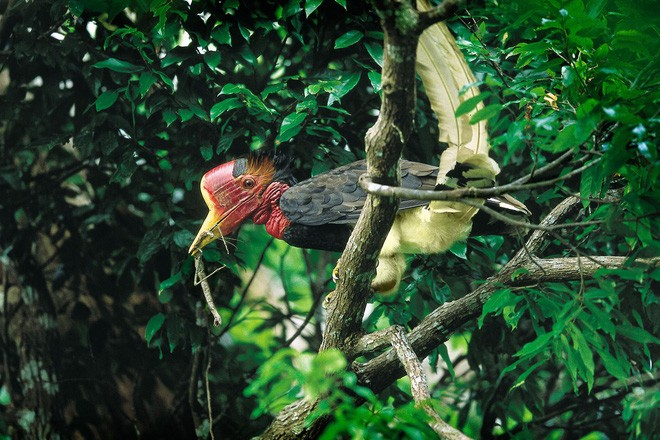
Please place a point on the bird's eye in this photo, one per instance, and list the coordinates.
(248, 183)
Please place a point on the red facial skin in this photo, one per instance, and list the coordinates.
(231, 200)
(269, 212)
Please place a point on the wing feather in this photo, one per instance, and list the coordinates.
(335, 197)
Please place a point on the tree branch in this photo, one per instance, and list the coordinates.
(443, 11)
(383, 143)
(372, 187)
(522, 270)
(418, 384)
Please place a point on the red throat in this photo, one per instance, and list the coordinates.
(269, 212)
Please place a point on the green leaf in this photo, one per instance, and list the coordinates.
(587, 180)
(459, 249)
(527, 372)
(5, 398)
(171, 281)
(376, 80)
(444, 354)
(488, 112)
(169, 116)
(212, 59)
(173, 58)
(166, 80)
(186, 114)
(375, 50)
(568, 138)
(348, 39)
(348, 82)
(586, 356)
(538, 344)
(206, 151)
(329, 362)
(497, 302)
(183, 238)
(291, 126)
(470, 104)
(291, 8)
(223, 106)
(637, 334)
(147, 79)
(106, 99)
(221, 34)
(611, 364)
(117, 65)
(311, 6)
(154, 324)
(341, 3)
(176, 331)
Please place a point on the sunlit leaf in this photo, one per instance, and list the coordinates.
(117, 65)
(291, 126)
(225, 105)
(470, 104)
(348, 39)
(311, 6)
(106, 99)
(488, 112)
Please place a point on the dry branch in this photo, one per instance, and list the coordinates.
(419, 385)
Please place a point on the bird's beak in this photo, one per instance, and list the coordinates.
(222, 220)
(209, 231)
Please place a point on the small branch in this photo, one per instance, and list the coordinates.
(370, 343)
(443, 11)
(544, 169)
(468, 192)
(419, 387)
(504, 219)
(200, 274)
(207, 384)
(192, 388)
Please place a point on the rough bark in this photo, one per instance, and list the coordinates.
(383, 143)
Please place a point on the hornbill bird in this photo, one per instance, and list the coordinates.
(320, 212)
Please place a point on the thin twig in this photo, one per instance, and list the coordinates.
(503, 218)
(246, 288)
(192, 387)
(457, 194)
(208, 390)
(201, 275)
(544, 169)
(441, 12)
(419, 387)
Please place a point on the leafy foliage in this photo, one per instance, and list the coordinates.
(110, 112)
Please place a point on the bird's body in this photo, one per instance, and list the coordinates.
(320, 213)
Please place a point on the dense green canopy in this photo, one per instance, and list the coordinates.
(110, 113)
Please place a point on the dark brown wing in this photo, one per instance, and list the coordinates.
(334, 197)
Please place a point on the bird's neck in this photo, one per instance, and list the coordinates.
(269, 212)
